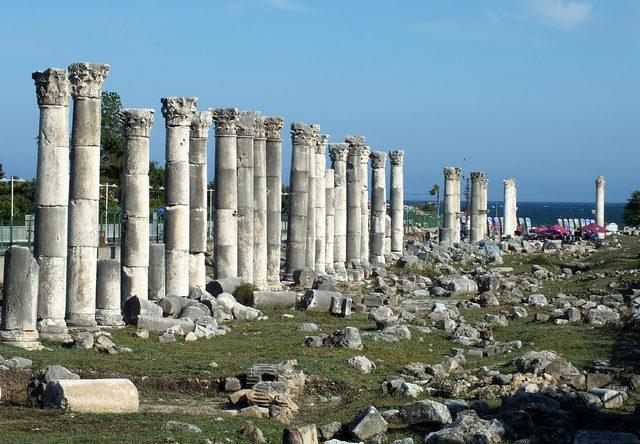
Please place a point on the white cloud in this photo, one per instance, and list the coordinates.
(563, 14)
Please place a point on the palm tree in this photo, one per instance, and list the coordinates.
(435, 191)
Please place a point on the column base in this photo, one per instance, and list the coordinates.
(83, 322)
(261, 285)
(53, 330)
(27, 340)
(377, 261)
(109, 318)
(275, 286)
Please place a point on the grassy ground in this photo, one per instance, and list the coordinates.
(182, 376)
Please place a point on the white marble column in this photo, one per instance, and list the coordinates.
(225, 227)
(134, 245)
(364, 207)
(329, 176)
(84, 193)
(245, 132)
(396, 203)
(510, 208)
(600, 186)
(260, 262)
(339, 153)
(451, 206)
(478, 205)
(321, 198)
(312, 199)
(198, 141)
(355, 271)
(178, 112)
(52, 194)
(378, 207)
(273, 128)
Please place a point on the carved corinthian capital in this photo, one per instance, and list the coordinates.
(178, 111)
(321, 145)
(200, 124)
(378, 159)
(509, 183)
(136, 122)
(600, 182)
(396, 157)
(452, 173)
(338, 152)
(52, 87)
(477, 176)
(247, 121)
(87, 79)
(301, 133)
(355, 141)
(260, 132)
(365, 153)
(226, 120)
(273, 127)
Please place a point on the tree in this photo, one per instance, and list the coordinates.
(1, 172)
(111, 139)
(631, 213)
(435, 191)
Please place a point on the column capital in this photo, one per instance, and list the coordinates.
(260, 130)
(247, 121)
(355, 141)
(273, 127)
(52, 87)
(365, 154)
(338, 152)
(87, 79)
(200, 124)
(600, 182)
(226, 121)
(301, 133)
(321, 145)
(136, 121)
(509, 183)
(396, 157)
(378, 159)
(477, 176)
(452, 173)
(178, 111)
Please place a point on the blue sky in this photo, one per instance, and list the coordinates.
(545, 91)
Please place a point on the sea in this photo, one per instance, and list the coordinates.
(548, 213)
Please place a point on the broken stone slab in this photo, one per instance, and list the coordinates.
(172, 305)
(462, 286)
(368, 423)
(340, 306)
(320, 300)
(468, 427)
(305, 277)
(92, 395)
(300, 435)
(244, 313)
(224, 285)
(274, 299)
(151, 323)
(427, 412)
(348, 337)
(135, 306)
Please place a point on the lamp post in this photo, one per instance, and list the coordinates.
(11, 180)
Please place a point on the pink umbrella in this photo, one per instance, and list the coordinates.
(594, 228)
(557, 230)
(540, 230)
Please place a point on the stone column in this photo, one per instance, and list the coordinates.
(378, 207)
(245, 130)
(397, 201)
(457, 230)
(451, 206)
(84, 193)
(312, 200)
(260, 256)
(178, 112)
(478, 207)
(387, 235)
(600, 186)
(338, 153)
(225, 227)
(364, 177)
(156, 271)
(273, 128)
(329, 179)
(108, 300)
(134, 254)
(198, 139)
(52, 194)
(301, 140)
(354, 208)
(510, 207)
(321, 202)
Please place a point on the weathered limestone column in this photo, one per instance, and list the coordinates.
(321, 202)
(397, 200)
(52, 194)
(387, 235)
(156, 271)
(273, 128)
(329, 179)
(457, 230)
(84, 193)
(134, 254)
(354, 208)
(378, 207)
(178, 112)
(600, 186)
(225, 228)
(198, 139)
(245, 130)
(301, 140)
(312, 200)
(478, 206)
(364, 177)
(260, 206)
(108, 300)
(451, 205)
(339, 153)
(510, 207)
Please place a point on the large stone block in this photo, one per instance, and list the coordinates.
(92, 395)
(84, 226)
(274, 299)
(135, 195)
(81, 286)
(52, 185)
(51, 231)
(224, 285)
(320, 300)
(20, 290)
(152, 323)
(176, 185)
(135, 241)
(52, 292)
(85, 173)
(108, 293)
(176, 227)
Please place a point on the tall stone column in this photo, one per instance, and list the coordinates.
(84, 193)
(52, 194)
(198, 140)
(246, 128)
(273, 128)
(312, 200)
(354, 208)
(510, 207)
(478, 206)
(260, 206)
(600, 186)
(321, 202)
(387, 235)
(457, 230)
(339, 153)
(329, 179)
(364, 177)
(378, 207)
(134, 254)
(301, 140)
(451, 206)
(225, 227)
(396, 204)
(178, 112)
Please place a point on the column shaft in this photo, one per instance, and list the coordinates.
(354, 208)
(378, 207)
(364, 207)
(330, 221)
(260, 260)
(321, 202)
(339, 152)
(397, 200)
(600, 186)
(478, 206)
(451, 206)
(273, 127)
(510, 208)
(312, 199)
